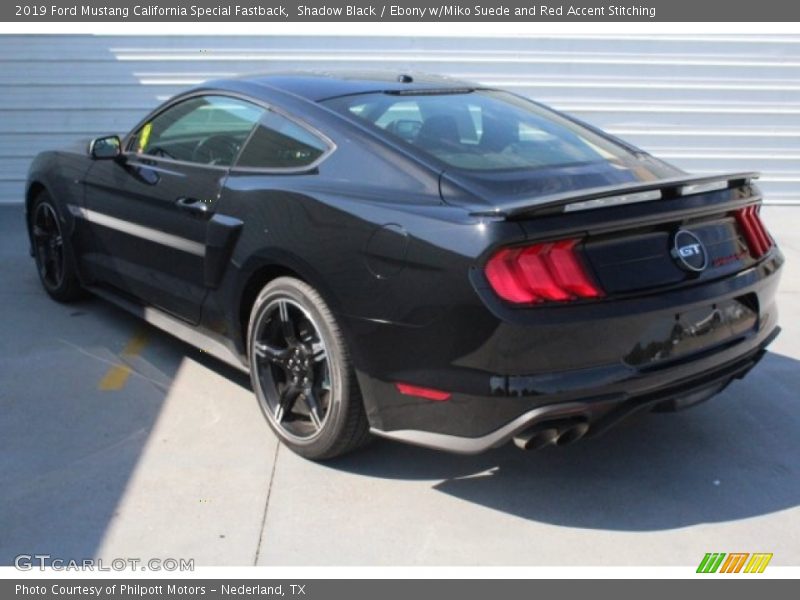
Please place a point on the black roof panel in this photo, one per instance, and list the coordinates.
(320, 85)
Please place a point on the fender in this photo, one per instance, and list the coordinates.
(235, 280)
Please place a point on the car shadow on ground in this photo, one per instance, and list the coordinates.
(69, 451)
(733, 457)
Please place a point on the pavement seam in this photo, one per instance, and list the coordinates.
(110, 362)
(117, 376)
(266, 504)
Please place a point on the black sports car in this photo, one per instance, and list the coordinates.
(410, 256)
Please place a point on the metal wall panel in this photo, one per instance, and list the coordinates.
(705, 102)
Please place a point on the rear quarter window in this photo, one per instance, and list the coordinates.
(280, 143)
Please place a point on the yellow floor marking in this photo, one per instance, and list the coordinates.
(116, 377)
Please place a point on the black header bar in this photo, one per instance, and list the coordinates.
(400, 11)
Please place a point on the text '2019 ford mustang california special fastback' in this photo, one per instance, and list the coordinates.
(414, 257)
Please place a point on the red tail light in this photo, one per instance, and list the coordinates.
(547, 272)
(758, 240)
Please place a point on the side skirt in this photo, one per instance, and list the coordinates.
(175, 327)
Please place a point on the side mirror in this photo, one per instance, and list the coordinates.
(108, 146)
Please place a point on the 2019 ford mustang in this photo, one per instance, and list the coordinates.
(419, 258)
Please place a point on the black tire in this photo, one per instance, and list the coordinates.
(52, 251)
(302, 374)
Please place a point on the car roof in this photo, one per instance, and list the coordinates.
(321, 85)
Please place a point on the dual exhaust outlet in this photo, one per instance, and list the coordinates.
(556, 433)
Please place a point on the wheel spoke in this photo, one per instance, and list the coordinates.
(55, 266)
(318, 352)
(41, 251)
(287, 325)
(322, 375)
(43, 268)
(313, 413)
(49, 244)
(286, 402)
(48, 263)
(313, 407)
(270, 353)
(325, 384)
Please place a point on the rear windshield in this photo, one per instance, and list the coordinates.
(481, 130)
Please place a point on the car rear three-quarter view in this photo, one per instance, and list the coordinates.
(414, 257)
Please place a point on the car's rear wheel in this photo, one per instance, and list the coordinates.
(301, 372)
(52, 252)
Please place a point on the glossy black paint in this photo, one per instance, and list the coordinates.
(393, 243)
(147, 192)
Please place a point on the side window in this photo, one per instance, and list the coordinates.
(280, 143)
(207, 130)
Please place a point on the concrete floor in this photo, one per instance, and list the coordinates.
(178, 461)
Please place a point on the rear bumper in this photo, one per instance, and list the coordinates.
(508, 371)
(599, 413)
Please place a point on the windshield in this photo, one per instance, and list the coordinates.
(481, 130)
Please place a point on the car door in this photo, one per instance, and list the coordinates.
(149, 210)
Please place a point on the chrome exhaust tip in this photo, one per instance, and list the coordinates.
(572, 433)
(536, 438)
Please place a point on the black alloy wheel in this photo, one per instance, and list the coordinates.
(49, 245)
(301, 372)
(52, 252)
(294, 369)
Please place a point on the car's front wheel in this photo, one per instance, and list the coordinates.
(301, 372)
(51, 250)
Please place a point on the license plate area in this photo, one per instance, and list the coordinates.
(697, 330)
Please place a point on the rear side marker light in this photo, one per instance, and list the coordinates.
(758, 239)
(422, 392)
(547, 272)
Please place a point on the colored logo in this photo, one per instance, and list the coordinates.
(688, 251)
(735, 562)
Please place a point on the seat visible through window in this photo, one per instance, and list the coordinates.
(438, 131)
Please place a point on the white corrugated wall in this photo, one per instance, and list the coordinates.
(706, 103)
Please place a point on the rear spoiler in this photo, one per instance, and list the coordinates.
(615, 195)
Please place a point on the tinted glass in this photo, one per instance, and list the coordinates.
(205, 130)
(481, 130)
(280, 143)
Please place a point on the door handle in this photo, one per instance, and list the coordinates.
(192, 205)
